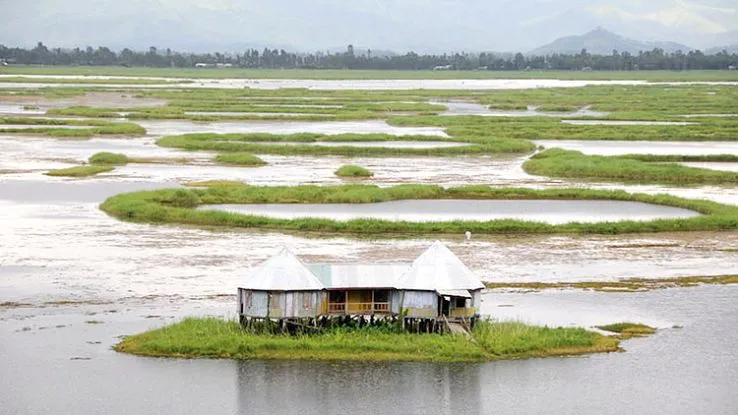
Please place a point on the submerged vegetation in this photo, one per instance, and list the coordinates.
(79, 171)
(154, 207)
(353, 171)
(624, 285)
(628, 330)
(215, 338)
(573, 164)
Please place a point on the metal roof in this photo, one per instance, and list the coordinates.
(455, 293)
(282, 272)
(439, 269)
(359, 275)
(436, 269)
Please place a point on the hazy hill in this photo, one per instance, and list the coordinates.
(603, 42)
(399, 25)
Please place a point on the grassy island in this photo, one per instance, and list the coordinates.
(303, 144)
(215, 338)
(79, 171)
(64, 128)
(240, 159)
(628, 169)
(157, 207)
(114, 159)
(353, 171)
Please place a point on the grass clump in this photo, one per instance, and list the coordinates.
(79, 171)
(574, 164)
(353, 171)
(240, 159)
(628, 330)
(216, 338)
(108, 158)
(215, 183)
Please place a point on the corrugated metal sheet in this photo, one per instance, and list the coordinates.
(349, 276)
(439, 269)
(455, 293)
(253, 303)
(282, 272)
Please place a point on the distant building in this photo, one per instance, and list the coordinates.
(201, 65)
(443, 68)
(435, 288)
(731, 67)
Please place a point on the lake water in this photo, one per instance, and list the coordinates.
(387, 144)
(548, 211)
(617, 148)
(257, 114)
(280, 127)
(722, 166)
(677, 371)
(455, 108)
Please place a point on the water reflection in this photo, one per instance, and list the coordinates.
(358, 388)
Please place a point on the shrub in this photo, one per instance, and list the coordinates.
(353, 171)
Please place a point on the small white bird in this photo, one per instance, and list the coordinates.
(467, 235)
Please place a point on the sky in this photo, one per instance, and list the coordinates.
(399, 25)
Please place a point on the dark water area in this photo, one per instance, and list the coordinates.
(60, 367)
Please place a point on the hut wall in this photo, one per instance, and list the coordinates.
(252, 303)
(299, 304)
(395, 302)
(276, 304)
(476, 300)
(420, 304)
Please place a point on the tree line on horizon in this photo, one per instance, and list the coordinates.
(656, 59)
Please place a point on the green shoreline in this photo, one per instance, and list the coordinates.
(163, 206)
(560, 163)
(488, 341)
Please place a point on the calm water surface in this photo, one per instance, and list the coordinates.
(685, 370)
(548, 211)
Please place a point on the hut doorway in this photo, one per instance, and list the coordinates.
(444, 306)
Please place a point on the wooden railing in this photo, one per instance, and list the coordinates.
(358, 308)
(463, 312)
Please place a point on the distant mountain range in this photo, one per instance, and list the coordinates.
(603, 42)
(397, 25)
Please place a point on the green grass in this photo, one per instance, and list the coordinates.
(573, 164)
(154, 207)
(115, 159)
(216, 338)
(353, 171)
(79, 171)
(368, 74)
(240, 159)
(262, 144)
(215, 183)
(57, 127)
(628, 330)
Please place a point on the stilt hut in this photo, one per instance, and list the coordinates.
(436, 286)
(439, 285)
(281, 288)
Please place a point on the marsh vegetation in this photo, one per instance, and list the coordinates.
(216, 338)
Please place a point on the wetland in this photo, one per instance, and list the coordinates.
(66, 263)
